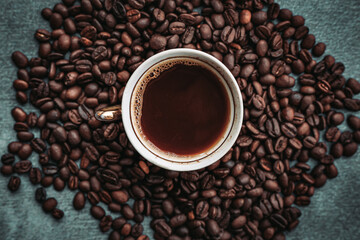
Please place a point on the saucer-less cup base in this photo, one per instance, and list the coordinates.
(189, 163)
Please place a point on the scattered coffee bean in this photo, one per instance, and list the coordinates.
(354, 122)
(49, 204)
(57, 213)
(14, 183)
(79, 201)
(40, 195)
(7, 159)
(350, 149)
(20, 60)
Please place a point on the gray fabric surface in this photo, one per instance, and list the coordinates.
(334, 212)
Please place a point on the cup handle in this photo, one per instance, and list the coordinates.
(109, 114)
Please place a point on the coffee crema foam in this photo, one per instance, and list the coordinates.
(137, 102)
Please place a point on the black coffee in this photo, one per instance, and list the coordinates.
(185, 107)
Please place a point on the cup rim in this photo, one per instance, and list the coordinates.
(192, 164)
(198, 156)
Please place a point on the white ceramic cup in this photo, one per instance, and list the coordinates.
(158, 157)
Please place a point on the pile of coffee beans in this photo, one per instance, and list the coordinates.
(84, 63)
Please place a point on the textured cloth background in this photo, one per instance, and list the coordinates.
(334, 213)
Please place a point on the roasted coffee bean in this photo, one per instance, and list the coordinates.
(212, 227)
(245, 17)
(201, 210)
(273, 128)
(352, 104)
(64, 42)
(332, 134)
(163, 229)
(70, 78)
(20, 60)
(57, 213)
(97, 212)
(20, 85)
(74, 116)
(7, 159)
(271, 186)
(159, 15)
(289, 130)
(353, 122)
(40, 195)
(109, 78)
(38, 145)
(126, 229)
(18, 114)
(111, 131)
(318, 49)
(49, 204)
(47, 181)
(239, 222)
(73, 182)
(264, 66)
(287, 114)
(285, 81)
(190, 176)
(168, 207)
(79, 201)
(39, 72)
(188, 35)
(59, 184)
(108, 175)
(50, 169)
(337, 150)
(14, 183)
(346, 137)
(308, 42)
(318, 152)
(350, 149)
(255, 192)
(6, 170)
(99, 54)
(20, 126)
(23, 166)
(21, 97)
(309, 142)
(35, 175)
(43, 158)
(137, 230)
(84, 112)
(127, 212)
(120, 196)
(356, 136)
(157, 42)
(56, 152)
(259, 102)
(354, 85)
(118, 223)
(228, 35)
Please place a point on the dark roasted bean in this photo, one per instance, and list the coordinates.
(7, 159)
(79, 201)
(49, 204)
(40, 195)
(14, 183)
